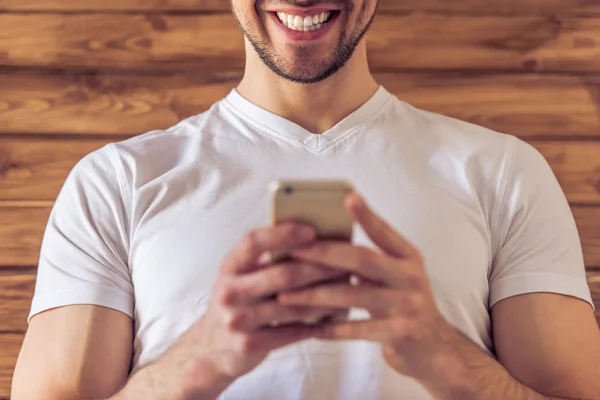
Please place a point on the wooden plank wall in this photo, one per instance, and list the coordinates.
(76, 74)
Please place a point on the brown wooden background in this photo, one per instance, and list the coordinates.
(76, 74)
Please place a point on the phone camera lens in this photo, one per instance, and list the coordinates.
(288, 190)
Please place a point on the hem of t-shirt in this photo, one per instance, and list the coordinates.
(540, 283)
(88, 294)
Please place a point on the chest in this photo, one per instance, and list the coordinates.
(177, 250)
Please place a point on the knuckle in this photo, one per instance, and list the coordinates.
(305, 312)
(410, 330)
(284, 277)
(245, 344)
(288, 231)
(417, 280)
(365, 257)
(226, 295)
(413, 302)
(233, 319)
(249, 244)
(418, 256)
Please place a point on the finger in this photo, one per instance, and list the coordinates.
(357, 260)
(280, 237)
(263, 283)
(397, 330)
(272, 338)
(378, 230)
(264, 314)
(376, 299)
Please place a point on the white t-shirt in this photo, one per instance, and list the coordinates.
(141, 226)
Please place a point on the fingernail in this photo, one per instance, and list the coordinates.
(305, 233)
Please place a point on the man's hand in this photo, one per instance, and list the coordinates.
(237, 333)
(392, 286)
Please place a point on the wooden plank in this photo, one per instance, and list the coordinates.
(104, 103)
(115, 5)
(577, 167)
(528, 106)
(594, 282)
(20, 289)
(494, 7)
(491, 7)
(588, 224)
(35, 169)
(10, 345)
(16, 291)
(22, 229)
(21, 234)
(398, 42)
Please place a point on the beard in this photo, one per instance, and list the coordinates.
(303, 69)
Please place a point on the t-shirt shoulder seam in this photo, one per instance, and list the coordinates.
(121, 181)
(504, 189)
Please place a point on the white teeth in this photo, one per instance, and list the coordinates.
(298, 21)
(303, 24)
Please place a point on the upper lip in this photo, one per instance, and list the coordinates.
(303, 12)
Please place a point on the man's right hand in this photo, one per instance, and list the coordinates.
(237, 333)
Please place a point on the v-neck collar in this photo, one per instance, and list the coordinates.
(286, 129)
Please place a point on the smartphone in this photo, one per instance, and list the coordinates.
(319, 203)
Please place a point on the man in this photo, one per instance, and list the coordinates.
(149, 286)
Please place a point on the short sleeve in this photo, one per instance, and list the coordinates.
(83, 258)
(539, 249)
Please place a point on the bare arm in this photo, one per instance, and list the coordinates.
(74, 352)
(548, 347)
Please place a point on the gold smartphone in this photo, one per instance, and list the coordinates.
(320, 204)
(317, 203)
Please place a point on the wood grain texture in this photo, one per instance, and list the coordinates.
(21, 234)
(35, 169)
(18, 305)
(16, 291)
(577, 167)
(22, 229)
(10, 345)
(490, 7)
(529, 106)
(588, 224)
(594, 283)
(396, 42)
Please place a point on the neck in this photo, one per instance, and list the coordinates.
(315, 107)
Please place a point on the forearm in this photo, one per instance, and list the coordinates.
(470, 374)
(159, 382)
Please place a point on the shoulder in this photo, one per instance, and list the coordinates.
(150, 156)
(472, 146)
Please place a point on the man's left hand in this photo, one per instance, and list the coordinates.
(392, 286)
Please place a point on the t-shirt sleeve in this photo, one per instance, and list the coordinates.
(538, 246)
(83, 258)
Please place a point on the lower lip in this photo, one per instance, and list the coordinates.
(308, 35)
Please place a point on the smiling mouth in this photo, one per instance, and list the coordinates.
(306, 23)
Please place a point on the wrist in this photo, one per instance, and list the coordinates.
(168, 380)
(203, 380)
(450, 372)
